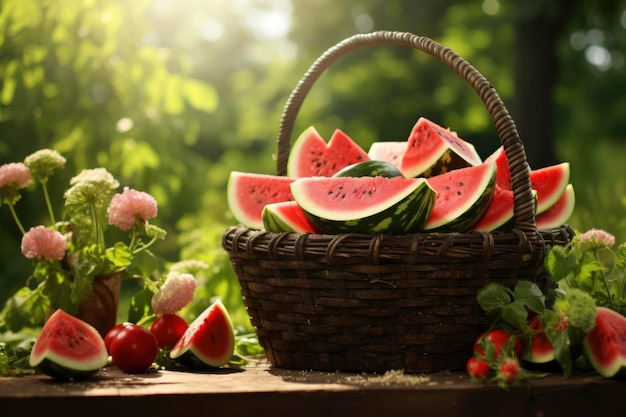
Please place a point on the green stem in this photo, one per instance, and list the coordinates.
(146, 246)
(96, 225)
(46, 195)
(17, 220)
(606, 284)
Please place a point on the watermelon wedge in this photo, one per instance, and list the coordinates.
(249, 193)
(310, 156)
(391, 152)
(394, 205)
(463, 195)
(559, 212)
(286, 216)
(498, 213)
(549, 182)
(432, 150)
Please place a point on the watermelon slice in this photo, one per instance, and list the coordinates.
(286, 216)
(310, 156)
(463, 195)
(559, 212)
(605, 344)
(249, 193)
(432, 150)
(209, 341)
(68, 348)
(549, 182)
(498, 213)
(391, 152)
(395, 205)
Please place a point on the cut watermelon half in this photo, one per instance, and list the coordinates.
(548, 182)
(286, 216)
(560, 212)
(249, 193)
(432, 150)
(394, 205)
(463, 195)
(310, 156)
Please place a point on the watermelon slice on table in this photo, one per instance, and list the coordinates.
(310, 155)
(432, 150)
(559, 212)
(549, 182)
(286, 216)
(249, 193)
(463, 195)
(394, 205)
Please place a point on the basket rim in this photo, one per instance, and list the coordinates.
(523, 203)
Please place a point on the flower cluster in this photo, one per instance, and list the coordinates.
(70, 252)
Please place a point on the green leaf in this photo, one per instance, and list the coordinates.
(140, 305)
(26, 308)
(118, 257)
(560, 263)
(493, 297)
(529, 294)
(515, 314)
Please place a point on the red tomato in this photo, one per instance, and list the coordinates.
(478, 369)
(498, 338)
(509, 370)
(134, 349)
(168, 328)
(112, 333)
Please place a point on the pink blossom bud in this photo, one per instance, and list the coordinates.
(42, 243)
(176, 292)
(130, 207)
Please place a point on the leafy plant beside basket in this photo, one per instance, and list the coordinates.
(74, 267)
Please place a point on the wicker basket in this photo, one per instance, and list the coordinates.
(372, 303)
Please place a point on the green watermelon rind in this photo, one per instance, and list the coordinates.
(466, 215)
(62, 365)
(597, 349)
(277, 220)
(188, 348)
(371, 168)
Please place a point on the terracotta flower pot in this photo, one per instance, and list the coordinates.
(100, 308)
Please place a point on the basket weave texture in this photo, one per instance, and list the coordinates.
(372, 303)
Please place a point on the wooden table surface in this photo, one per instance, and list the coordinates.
(262, 390)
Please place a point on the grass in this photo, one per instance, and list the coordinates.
(599, 179)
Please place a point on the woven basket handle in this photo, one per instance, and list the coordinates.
(524, 205)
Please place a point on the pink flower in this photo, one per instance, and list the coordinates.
(42, 243)
(15, 174)
(176, 292)
(130, 207)
(597, 236)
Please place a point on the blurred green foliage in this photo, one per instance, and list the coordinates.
(171, 96)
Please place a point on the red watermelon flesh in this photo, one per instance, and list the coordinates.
(249, 193)
(503, 175)
(391, 152)
(463, 195)
(310, 156)
(498, 213)
(548, 182)
(559, 212)
(286, 216)
(605, 344)
(430, 144)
